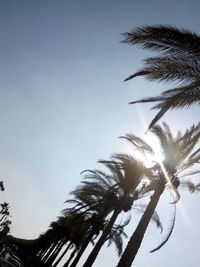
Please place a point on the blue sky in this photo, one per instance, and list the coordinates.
(63, 104)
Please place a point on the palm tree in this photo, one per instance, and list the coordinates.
(93, 200)
(74, 235)
(178, 157)
(89, 202)
(4, 212)
(121, 190)
(4, 221)
(110, 194)
(69, 230)
(179, 61)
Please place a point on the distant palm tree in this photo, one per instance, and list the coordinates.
(52, 239)
(4, 221)
(69, 230)
(179, 156)
(92, 200)
(179, 61)
(4, 214)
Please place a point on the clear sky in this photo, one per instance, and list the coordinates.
(63, 104)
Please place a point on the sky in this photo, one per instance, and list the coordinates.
(63, 105)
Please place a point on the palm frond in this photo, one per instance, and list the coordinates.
(98, 176)
(189, 174)
(170, 230)
(117, 234)
(114, 168)
(190, 186)
(180, 97)
(138, 143)
(179, 62)
(166, 39)
(169, 69)
(139, 73)
(177, 195)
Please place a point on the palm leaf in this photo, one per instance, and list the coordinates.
(190, 186)
(138, 143)
(170, 230)
(179, 62)
(166, 39)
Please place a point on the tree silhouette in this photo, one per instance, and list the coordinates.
(179, 156)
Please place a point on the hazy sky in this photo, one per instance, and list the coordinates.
(63, 104)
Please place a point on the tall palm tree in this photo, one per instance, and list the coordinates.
(179, 156)
(120, 191)
(93, 200)
(123, 186)
(179, 61)
(75, 234)
(69, 230)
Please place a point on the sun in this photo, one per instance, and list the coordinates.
(151, 140)
(154, 143)
(146, 158)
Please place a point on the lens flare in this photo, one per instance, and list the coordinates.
(158, 157)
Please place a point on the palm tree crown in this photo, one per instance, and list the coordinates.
(179, 61)
(177, 150)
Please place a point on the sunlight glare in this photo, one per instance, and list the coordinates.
(154, 143)
(151, 140)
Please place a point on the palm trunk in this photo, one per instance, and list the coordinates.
(83, 248)
(49, 252)
(43, 251)
(62, 255)
(90, 260)
(53, 256)
(137, 237)
(3, 218)
(70, 258)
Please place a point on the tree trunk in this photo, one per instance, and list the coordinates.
(136, 239)
(90, 260)
(43, 251)
(70, 258)
(55, 253)
(82, 249)
(3, 218)
(62, 255)
(49, 251)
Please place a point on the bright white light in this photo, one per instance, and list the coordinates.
(154, 143)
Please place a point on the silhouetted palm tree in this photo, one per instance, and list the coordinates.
(69, 230)
(4, 212)
(120, 189)
(4, 220)
(89, 200)
(179, 61)
(93, 198)
(178, 157)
